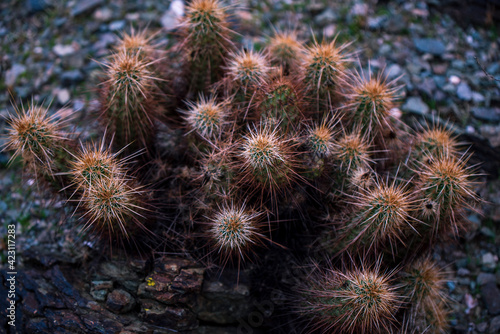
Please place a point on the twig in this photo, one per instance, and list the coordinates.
(491, 77)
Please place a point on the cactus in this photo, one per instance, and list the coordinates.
(234, 230)
(114, 208)
(354, 301)
(424, 283)
(382, 213)
(206, 42)
(281, 100)
(369, 102)
(285, 49)
(351, 151)
(446, 187)
(94, 162)
(129, 108)
(324, 69)
(268, 159)
(207, 117)
(289, 134)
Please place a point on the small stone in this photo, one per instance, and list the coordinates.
(171, 18)
(492, 133)
(477, 97)
(327, 17)
(481, 328)
(385, 49)
(470, 302)
(463, 272)
(35, 6)
(427, 86)
(376, 22)
(359, 9)
(329, 30)
(103, 15)
(463, 280)
(486, 231)
(489, 260)
(493, 68)
(458, 64)
(484, 278)
(440, 69)
(120, 301)
(454, 79)
(78, 105)
(491, 297)
(63, 50)
(117, 25)
(495, 325)
(486, 114)
(73, 77)
(416, 105)
(464, 92)
(429, 45)
(132, 16)
(15, 71)
(63, 96)
(85, 6)
(393, 71)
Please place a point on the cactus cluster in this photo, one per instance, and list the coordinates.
(253, 148)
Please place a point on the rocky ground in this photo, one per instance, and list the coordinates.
(448, 60)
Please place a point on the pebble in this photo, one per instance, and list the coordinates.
(486, 231)
(117, 25)
(171, 18)
(429, 45)
(495, 325)
(63, 50)
(477, 97)
(85, 6)
(463, 272)
(440, 68)
(376, 22)
(454, 79)
(103, 15)
(393, 71)
(489, 261)
(15, 71)
(120, 301)
(63, 96)
(464, 92)
(481, 328)
(329, 30)
(35, 6)
(359, 9)
(484, 278)
(491, 297)
(327, 17)
(415, 105)
(486, 114)
(72, 77)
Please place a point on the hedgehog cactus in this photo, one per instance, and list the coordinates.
(206, 41)
(234, 230)
(354, 301)
(382, 214)
(285, 49)
(370, 101)
(324, 69)
(291, 133)
(113, 208)
(268, 159)
(129, 108)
